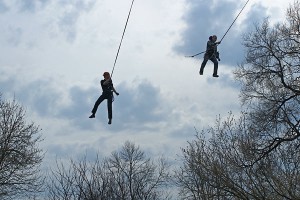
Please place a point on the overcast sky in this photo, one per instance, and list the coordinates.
(53, 54)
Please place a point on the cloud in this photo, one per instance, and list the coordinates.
(140, 113)
(205, 18)
(68, 20)
(70, 15)
(36, 5)
(136, 107)
(15, 36)
(228, 81)
(78, 108)
(63, 151)
(39, 18)
(257, 14)
(47, 101)
(139, 106)
(38, 95)
(3, 7)
(6, 83)
(29, 6)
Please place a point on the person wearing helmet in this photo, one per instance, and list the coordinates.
(107, 93)
(211, 54)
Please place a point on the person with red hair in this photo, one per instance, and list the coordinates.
(107, 93)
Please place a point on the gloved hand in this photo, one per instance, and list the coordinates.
(218, 42)
(117, 93)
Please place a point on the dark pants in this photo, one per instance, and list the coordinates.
(109, 97)
(213, 59)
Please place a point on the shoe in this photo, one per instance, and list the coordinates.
(92, 116)
(201, 73)
(109, 121)
(215, 75)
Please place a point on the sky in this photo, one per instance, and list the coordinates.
(53, 54)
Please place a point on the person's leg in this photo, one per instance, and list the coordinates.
(97, 103)
(109, 108)
(215, 61)
(205, 59)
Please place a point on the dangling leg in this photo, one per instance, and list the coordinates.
(205, 59)
(109, 108)
(97, 103)
(215, 61)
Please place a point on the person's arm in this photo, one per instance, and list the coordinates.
(109, 81)
(114, 90)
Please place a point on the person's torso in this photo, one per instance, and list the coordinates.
(211, 47)
(107, 88)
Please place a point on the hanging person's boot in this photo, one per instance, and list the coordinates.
(109, 121)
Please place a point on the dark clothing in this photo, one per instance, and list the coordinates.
(106, 87)
(211, 48)
(213, 59)
(109, 104)
(210, 54)
(107, 93)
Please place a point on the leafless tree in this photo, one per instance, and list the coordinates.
(218, 167)
(270, 79)
(20, 156)
(126, 174)
(136, 176)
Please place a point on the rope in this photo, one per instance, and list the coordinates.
(225, 32)
(234, 20)
(195, 54)
(121, 40)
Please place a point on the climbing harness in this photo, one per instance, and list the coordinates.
(226, 31)
(121, 39)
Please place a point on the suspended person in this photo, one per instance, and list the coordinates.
(212, 54)
(107, 93)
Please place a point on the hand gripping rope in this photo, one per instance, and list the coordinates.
(225, 32)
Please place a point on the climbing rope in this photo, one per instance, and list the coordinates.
(121, 39)
(227, 29)
(234, 21)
